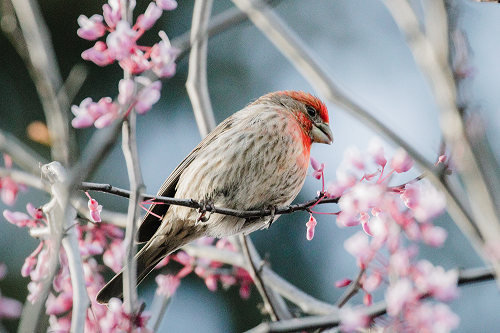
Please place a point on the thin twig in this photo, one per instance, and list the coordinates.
(21, 154)
(352, 289)
(256, 277)
(196, 83)
(218, 24)
(42, 66)
(129, 148)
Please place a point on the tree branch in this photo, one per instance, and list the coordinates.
(467, 276)
(196, 83)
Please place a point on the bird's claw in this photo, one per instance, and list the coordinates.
(271, 218)
(206, 206)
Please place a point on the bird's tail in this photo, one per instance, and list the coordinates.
(147, 258)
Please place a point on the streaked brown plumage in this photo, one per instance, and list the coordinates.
(255, 159)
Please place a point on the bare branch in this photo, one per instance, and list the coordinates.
(255, 274)
(21, 154)
(378, 309)
(196, 83)
(440, 78)
(305, 302)
(44, 71)
(352, 290)
(129, 148)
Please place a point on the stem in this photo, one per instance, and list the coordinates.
(129, 148)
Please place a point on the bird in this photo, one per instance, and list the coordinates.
(256, 159)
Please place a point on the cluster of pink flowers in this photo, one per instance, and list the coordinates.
(8, 187)
(96, 239)
(393, 220)
(121, 45)
(212, 272)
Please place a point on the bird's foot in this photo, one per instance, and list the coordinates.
(271, 218)
(207, 206)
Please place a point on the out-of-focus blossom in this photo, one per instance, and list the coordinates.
(353, 157)
(401, 162)
(126, 91)
(352, 319)
(376, 150)
(397, 295)
(167, 284)
(342, 283)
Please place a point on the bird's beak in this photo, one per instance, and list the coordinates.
(322, 133)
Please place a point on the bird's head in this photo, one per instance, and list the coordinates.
(310, 112)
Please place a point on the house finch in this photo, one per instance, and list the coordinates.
(255, 159)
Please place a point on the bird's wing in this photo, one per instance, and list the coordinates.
(151, 223)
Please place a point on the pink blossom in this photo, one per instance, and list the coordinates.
(397, 295)
(28, 266)
(358, 246)
(352, 319)
(441, 160)
(82, 116)
(113, 256)
(60, 304)
(431, 202)
(311, 224)
(100, 114)
(126, 91)
(376, 150)
(121, 42)
(9, 189)
(433, 318)
(367, 299)
(19, 219)
(36, 213)
(136, 63)
(34, 288)
(434, 236)
(371, 283)
(148, 96)
(98, 54)
(91, 28)
(163, 57)
(400, 262)
(436, 281)
(244, 291)
(411, 195)
(167, 4)
(401, 162)
(148, 19)
(342, 283)
(95, 209)
(167, 284)
(60, 325)
(112, 12)
(353, 157)
(10, 308)
(211, 282)
(317, 167)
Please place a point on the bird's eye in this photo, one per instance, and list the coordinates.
(310, 111)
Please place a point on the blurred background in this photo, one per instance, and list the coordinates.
(358, 42)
